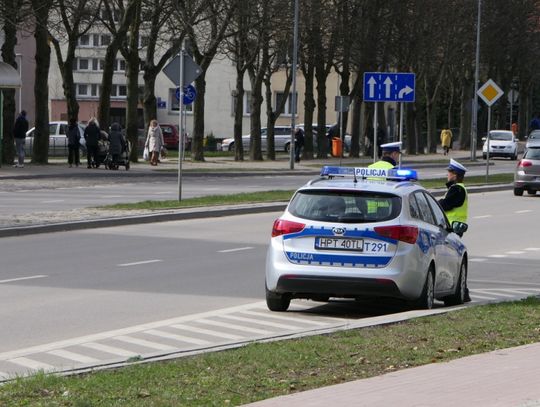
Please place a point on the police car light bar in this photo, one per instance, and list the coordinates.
(394, 174)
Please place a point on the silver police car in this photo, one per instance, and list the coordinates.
(365, 233)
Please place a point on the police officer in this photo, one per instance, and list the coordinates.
(455, 202)
(390, 156)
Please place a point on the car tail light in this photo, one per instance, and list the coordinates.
(525, 163)
(407, 234)
(284, 227)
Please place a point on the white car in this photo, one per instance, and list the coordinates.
(502, 143)
(533, 139)
(282, 140)
(57, 138)
(365, 233)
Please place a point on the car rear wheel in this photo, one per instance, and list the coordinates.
(428, 293)
(518, 191)
(531, 192)
(277, 302)
(288, 147)
(458, 297)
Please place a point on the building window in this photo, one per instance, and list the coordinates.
(83, 64)
(84, 40)
(120, 65)
(82, 89)
(105, 40)
(287, 109)
(175, 104)
(246, 103)
(95, 88)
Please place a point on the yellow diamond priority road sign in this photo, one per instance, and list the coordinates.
(490, 92)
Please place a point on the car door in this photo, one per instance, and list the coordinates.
(56, 143)
(449, 246)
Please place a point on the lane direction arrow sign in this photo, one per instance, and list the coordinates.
(389, 87)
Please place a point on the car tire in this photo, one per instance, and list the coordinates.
(518, 191)
(531, 191)
(458, 297)
(427, 297)
(277, 302)
(287, 147)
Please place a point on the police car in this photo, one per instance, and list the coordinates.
(365, 233)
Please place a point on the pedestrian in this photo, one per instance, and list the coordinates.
(389, 156)
(73, 138)
(535, 123)
(92, 134)
(298, 143)
(117, 144)
(455, 202)
(446, 140)
(154, 141)
(515, 129)
(19, 135)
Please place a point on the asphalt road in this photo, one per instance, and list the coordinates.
(64, 286)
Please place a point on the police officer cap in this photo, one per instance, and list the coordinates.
(456, 167)
(396, 146)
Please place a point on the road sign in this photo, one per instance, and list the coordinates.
(188, 96)
(389, 87)
(191, 70)
(490, 92)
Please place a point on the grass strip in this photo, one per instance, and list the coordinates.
(274, 196)
(263, 370)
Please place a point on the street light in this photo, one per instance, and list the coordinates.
(474, 132)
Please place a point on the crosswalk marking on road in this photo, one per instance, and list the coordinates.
(283, 318)
(32, 364)
(66, 354)
(109, 349)
(144, 343)
(493, 292)
(181, 338)
(209, 332)
(261, 322)
(234, 326)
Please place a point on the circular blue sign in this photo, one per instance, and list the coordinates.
(188, 96)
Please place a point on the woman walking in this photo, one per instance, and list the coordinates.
(154, 141)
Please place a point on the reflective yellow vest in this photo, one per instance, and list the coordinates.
(459, 213)
(372, 205)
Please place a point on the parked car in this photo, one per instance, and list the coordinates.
(502, 143)
(57, 138)
(527, 173)
(533, 139)
(171, 137)
(282, 140)
(346, 235)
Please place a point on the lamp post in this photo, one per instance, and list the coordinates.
(20, 76)
(474, 132)
(293, 73)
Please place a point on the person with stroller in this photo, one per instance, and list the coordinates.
(92, 135)
(154, 141)
(117, 144)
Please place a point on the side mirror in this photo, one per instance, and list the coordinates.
(459, 227)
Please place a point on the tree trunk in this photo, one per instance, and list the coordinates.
(356, 144)
(149, 98)
(309, 109)
(197, 145)
(322, 142)
(239, 115)
(104, 108)
(132, 122)
(255, 153)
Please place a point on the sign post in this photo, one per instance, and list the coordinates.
(489, 93)
(388, 87)
(342, 105)
(182, 70)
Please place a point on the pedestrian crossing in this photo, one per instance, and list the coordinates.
(195, 333)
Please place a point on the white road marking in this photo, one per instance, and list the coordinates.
(529, 291)
(137, 263)
(260, 322)
(482, 297)
(181, 338)
(515, 252)
(111, 196)
(498, 256)
(524, 211)
(482, 216)
(53, 201)
(533, 249)
(31, 364)
(290, 318)
(234, 326)
(493, 292)
(206, 331)
(77, 357)
(501, 282)
(477, 260)
(235, 250)
(142, 342)
(23, 278)
(109, 349)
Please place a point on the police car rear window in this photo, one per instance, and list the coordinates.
(345, 206)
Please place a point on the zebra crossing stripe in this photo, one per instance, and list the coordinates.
(181, 338)
(66, 354)
(206, 331)
(109, 349)
(144, 343)
(261, 322)
(493, 292)
(234, 326)
(31, 364)
(288, 318)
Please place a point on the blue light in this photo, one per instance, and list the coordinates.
(395, 174)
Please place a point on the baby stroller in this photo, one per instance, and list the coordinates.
(103, 150)
(122, 160)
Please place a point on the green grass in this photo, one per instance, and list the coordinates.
(264, 370)
(273, 196)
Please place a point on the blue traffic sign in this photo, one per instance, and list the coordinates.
(188, 96)
(389, 87)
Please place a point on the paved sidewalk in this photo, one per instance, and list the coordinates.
(503, 378)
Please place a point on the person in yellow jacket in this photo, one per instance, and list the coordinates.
(390, 156)
(455, 202)
(446, 140)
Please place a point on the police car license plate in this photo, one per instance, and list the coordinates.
(339, 243)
